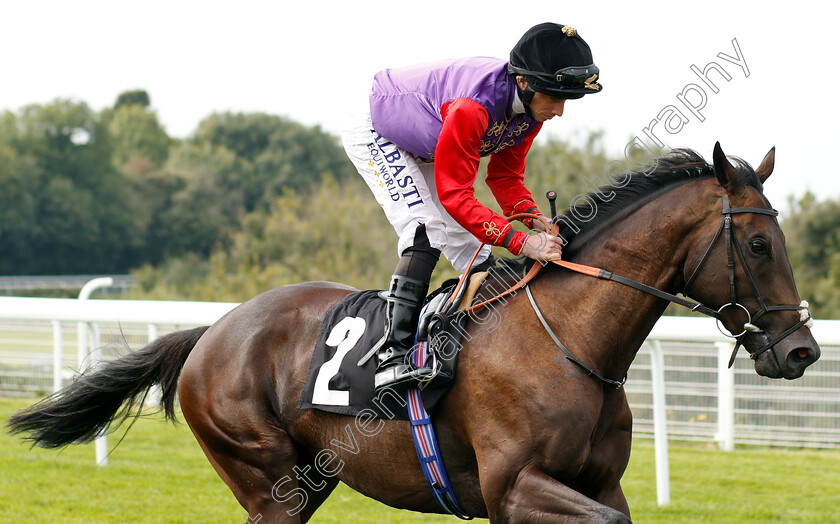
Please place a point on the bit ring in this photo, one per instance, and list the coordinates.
(725, 331)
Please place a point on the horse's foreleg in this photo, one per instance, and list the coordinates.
(614, 498)
(534, 497)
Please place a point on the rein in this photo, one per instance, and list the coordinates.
(514, 288)
(725, 229)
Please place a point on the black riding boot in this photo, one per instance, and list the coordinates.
(408, 288)
(404, 300)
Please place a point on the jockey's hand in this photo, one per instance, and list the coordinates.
(539, 225)
(543, 247)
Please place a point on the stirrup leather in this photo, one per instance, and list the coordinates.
(402, 375)
(396, 370)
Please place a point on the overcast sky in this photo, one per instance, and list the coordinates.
(313, 62)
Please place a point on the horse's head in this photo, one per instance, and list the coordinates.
(737, 262)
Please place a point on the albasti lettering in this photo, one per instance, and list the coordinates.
(389, 165)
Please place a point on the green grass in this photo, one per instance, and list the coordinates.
(159, 475)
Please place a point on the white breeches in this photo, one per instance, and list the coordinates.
(405, 188)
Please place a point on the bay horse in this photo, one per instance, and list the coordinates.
(526, 435)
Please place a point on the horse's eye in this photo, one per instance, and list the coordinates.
(758, 246)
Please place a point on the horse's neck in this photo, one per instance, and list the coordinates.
(607, 320)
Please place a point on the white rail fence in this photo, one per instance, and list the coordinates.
(679, 385)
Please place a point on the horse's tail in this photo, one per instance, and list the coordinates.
(85, 408)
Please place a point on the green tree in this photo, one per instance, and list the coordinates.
(64, 205)
(282, 154)
(569, 170)
(88, 192)
(204, 206)
(334, 231)
(813, 240)
(234, 164)
(65, 139)
(135, 133)
(136, 97)
(21, 186)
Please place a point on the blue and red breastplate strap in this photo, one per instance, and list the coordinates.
(426, 444)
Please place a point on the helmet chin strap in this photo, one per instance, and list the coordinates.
(526, 96)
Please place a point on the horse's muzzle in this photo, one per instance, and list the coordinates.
(788, 358)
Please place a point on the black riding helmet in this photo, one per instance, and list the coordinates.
(555, 61)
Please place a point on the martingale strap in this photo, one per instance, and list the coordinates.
(425, 442)
(589, 371)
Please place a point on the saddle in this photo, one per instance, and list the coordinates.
(441, 307)
(335, 383)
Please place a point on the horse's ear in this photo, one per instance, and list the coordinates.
(726, 173)
(765, 169)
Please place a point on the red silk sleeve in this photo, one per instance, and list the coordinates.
(456, 167)
(505, 177)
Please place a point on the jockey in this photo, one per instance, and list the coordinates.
(419, 147)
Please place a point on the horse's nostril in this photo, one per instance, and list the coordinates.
(799, 356)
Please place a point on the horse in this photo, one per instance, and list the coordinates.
(526, 434)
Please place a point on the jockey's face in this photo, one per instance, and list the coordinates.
(543, 107)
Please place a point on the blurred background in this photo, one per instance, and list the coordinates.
(192, 146)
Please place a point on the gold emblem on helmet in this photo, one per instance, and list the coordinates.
(589, 85)
(569, 30)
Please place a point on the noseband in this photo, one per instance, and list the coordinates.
(731, 240)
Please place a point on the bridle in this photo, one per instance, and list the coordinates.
(731, 240)
(726, 230)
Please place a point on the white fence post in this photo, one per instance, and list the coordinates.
(84, 294)
(660, 424)
(82, 345)
(58, 354)
(153, 398)
(726, 397)
(101, 442)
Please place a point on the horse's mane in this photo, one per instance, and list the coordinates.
(594, 211)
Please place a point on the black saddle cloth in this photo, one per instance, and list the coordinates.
(351, 328)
